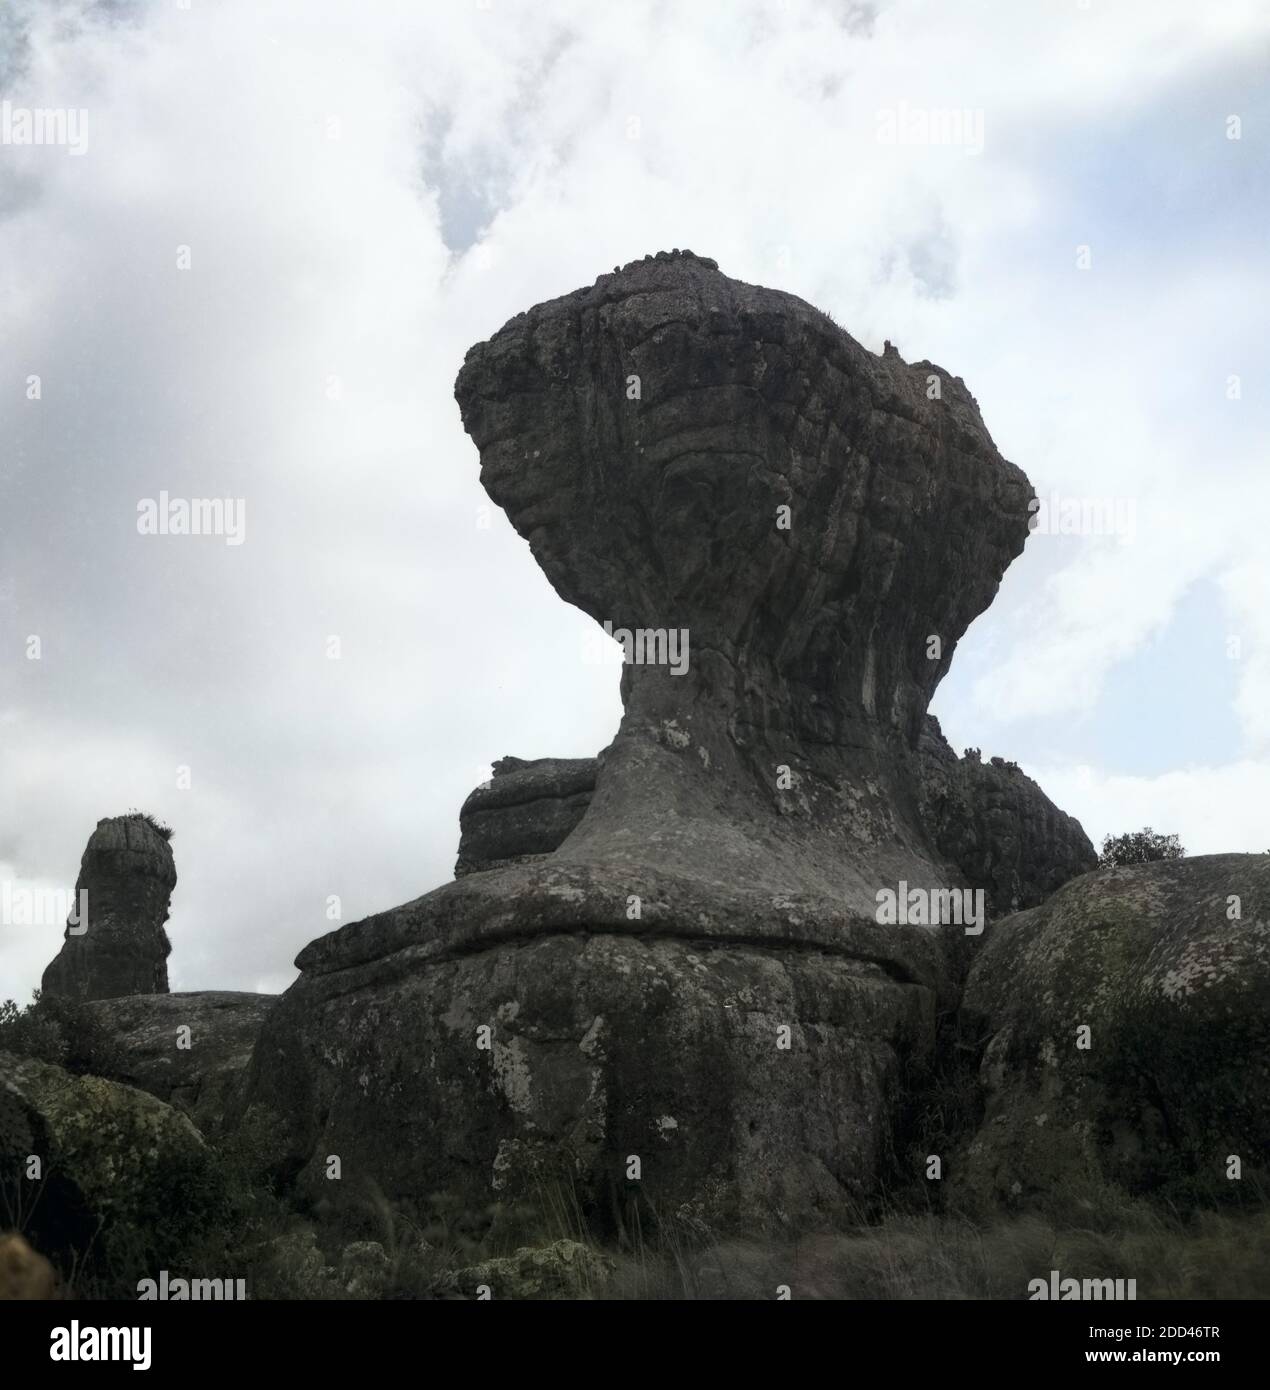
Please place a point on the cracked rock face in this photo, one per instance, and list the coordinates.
(128, 874)
(1172, 1076)
(793, 533)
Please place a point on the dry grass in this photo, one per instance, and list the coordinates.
(1212, 1255)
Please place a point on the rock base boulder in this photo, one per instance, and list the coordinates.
(121, 1179)
(728, 1083)
(191, 1050)
(1126, 1031)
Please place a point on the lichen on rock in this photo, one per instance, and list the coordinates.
(1167, 967)
(120, 1174)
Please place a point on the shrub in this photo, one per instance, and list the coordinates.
(31, 1032)
(155, 824)
(1139, 847)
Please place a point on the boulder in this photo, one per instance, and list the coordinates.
(116, 944)
(527, 810)
(121, 1177)
(1167, 967)
(997, 826)
(773, 521)
(749, 1081)
(191, 1050)
(364, 1269)
(565, 1269)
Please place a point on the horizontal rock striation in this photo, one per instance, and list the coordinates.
(527, 810)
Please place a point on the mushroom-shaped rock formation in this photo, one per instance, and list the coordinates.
(697, 458)
(789, 534)
(117, 945)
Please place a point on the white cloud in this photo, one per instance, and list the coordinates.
(1212, 810)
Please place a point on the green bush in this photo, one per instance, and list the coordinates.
(31, 1032)
(1139, 847)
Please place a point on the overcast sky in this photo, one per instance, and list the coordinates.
(366, 189)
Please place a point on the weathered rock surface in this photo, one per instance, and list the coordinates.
(998, 827)
(128, 874)
(527, 810)
(745, 1078)
(690, 456)
(148, 1048)
(120, 1173)
(989, 820)
(1176, 996)
(807, 645)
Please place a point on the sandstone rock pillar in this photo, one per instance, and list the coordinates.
(126, 876)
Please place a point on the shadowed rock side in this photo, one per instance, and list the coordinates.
(527, 810)
(1173, 1076)
(998, 827)
(199, 1071)
(696, 975)
(128, 874)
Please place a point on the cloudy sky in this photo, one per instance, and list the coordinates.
(256, 270)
